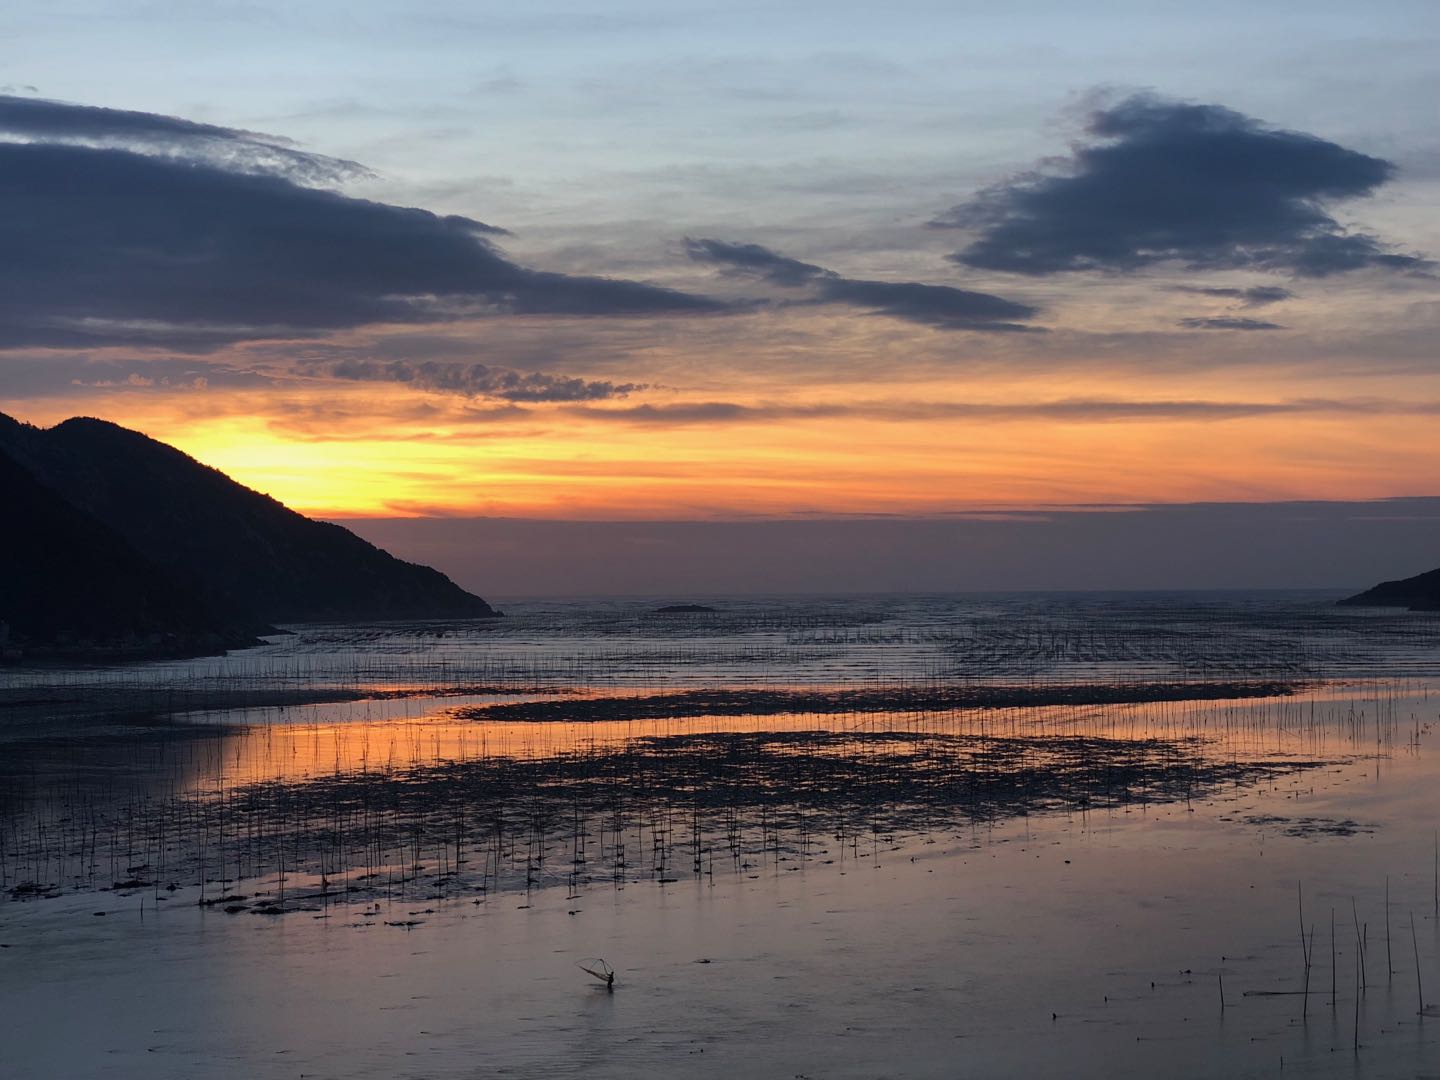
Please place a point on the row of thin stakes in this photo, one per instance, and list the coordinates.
(1361, 935)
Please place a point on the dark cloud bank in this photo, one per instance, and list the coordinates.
(128, 228)
(940, 306)
(1200, 185)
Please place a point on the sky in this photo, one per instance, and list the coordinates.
(440, 269)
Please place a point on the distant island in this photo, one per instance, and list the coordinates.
(116, 543)
(1418, 593)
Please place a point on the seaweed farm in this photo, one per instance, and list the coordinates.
(877, 836)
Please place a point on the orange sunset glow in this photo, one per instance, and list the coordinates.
(360, 451)
(1124, 297)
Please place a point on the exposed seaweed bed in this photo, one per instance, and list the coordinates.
(741, 702)
(647, 810)
(26, 708)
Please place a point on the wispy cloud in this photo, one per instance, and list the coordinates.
(480, 380)
(61, 374)
(56, 122)
(1066, 410)
(1250, 297)
(941, 306)
(754, 260)
(1227, 322)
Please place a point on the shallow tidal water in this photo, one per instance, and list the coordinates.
(1027, 909)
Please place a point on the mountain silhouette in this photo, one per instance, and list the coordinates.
(72, 581)
(1418, 593)
(157, 539)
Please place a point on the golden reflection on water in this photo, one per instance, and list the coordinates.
(393, 736)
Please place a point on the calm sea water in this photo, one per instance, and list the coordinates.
(789, 641)
(1066, 889)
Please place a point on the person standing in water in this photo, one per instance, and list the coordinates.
(601, 970)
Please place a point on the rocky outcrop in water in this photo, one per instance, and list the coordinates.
(1418, 593)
